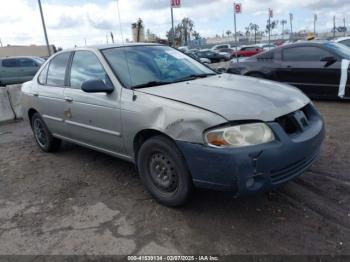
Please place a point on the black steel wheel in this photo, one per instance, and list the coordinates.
(163, 171)
(43, 136)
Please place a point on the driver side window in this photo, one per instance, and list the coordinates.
(86, 66)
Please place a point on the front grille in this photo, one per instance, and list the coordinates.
(296, 121)
(291, 171)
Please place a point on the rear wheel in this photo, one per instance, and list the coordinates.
(43, 136)
(163, 171)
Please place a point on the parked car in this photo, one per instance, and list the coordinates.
(226, 50)
(313, 67)
(178, 121)
(247, 51)
(183, 49)
(15, 70)
(196, 57)
(218, 47)
(343, 40)
(213, 56)
(266, 47)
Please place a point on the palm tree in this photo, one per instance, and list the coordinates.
(283, 22)
(255, 28)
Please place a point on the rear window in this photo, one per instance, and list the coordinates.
(57, 70)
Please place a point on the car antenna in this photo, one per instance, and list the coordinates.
(124, 52)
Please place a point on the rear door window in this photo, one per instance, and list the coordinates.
(57, 70)
(10, 63)
(304, 53)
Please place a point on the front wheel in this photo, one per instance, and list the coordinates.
(43, 136)
(163, 171)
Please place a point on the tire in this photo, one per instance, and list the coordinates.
(256, 75)
(163, 171)
(43, 136)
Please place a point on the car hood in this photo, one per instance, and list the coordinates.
(235, 97)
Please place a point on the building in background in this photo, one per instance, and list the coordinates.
(31, 50)
(138, 31)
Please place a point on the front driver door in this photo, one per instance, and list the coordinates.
(92, 119)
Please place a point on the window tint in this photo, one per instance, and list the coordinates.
(306, 53)
(57, 70)
(10, 63)
(26, 62)
(43, 75)
(86, 66)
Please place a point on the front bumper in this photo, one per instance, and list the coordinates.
(259, 168)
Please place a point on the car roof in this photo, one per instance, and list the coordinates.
(107, 46)
(306, 43)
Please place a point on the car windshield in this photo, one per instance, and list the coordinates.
(339, 49)
(145, 66)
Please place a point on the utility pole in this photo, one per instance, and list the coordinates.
(270, 15)
(291, 25)
(333, 27)
(315, 20)
(172, 28)
(344, 27)
(44, 27)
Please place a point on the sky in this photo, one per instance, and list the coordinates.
(76, 22)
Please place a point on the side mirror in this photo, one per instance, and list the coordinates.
(329, 60)
(96, 86)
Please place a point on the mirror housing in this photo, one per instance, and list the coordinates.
(96, 86)
(328, 59)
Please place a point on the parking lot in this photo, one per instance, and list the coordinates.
(78, 201)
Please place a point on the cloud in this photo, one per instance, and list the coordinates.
(72, 22)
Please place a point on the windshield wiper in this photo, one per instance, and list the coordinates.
(193, 77)
(151, 83)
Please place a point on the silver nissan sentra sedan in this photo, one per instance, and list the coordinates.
(181, 123)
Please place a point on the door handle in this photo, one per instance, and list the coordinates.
(68, 99)
(36, 94)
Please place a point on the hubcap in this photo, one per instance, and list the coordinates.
(39, 133)
(163, 172)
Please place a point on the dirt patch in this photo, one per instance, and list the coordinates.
(78, 201)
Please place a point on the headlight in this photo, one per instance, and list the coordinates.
(239, 136)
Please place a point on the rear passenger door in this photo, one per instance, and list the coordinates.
(92, 118)
(49, 92)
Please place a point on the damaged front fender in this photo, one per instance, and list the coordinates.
(180, 121)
